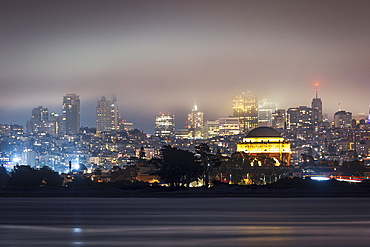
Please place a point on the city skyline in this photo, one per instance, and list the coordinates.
(160, 56)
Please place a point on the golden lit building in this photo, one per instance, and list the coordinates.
(267, 141)
(245, 107)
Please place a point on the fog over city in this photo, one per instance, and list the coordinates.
(160, 56)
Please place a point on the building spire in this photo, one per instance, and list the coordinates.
(317, 90)
(195, 106)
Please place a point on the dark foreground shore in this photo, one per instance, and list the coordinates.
(283, 188)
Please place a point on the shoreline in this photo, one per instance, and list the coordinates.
(214, 192)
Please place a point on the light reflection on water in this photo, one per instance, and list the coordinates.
(184, 222)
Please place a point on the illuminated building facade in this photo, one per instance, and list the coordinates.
(57, 121)
(115, 121)
(195, 123)
(126, 126)
(279, 119)
(245, 107)
(42, 122)
(164, 125)
(71, 114)
(229, 126)
(302, 117)
(39, 115)
(266, 141)
(342, 119)
(211, 129)
(11, 130)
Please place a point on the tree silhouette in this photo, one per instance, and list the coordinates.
(24, 176)
(28, 176)
(49, 177)
(4, 177)
(208, 161)
(177, 167)
(128, 173)
(238, 166)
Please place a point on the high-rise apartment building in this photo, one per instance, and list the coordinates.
(265, 110)
(317, 104)
(103, 115)
(245, 107)
(71, 114)
(164, 125)
(279, 119)
(107, 118)
(302, 117)
(195, 123)
(342, 119)
(39, 115)
(115, 121)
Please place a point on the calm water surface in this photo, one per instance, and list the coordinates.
(184, 222)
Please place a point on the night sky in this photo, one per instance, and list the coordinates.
(160, 56)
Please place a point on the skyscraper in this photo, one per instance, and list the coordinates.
(39, 116)
(107, 118)
(164, 125)
(265, 109)
(317, 104)
(71, 114)
(103, 115)
(195, 123)
(114, 115)
(245, 107)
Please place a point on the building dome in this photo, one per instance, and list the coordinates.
(263, 132)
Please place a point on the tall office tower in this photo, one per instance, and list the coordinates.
(114, 115)
(164, 125)
(229, 126)
(265, 109)
(245, 108)
(39, 115)
(103, 115)
(71, 114)
(195, 123)
(211, 129)
(342, 119)
(279, 119)
(317, 104)
(302, 117)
